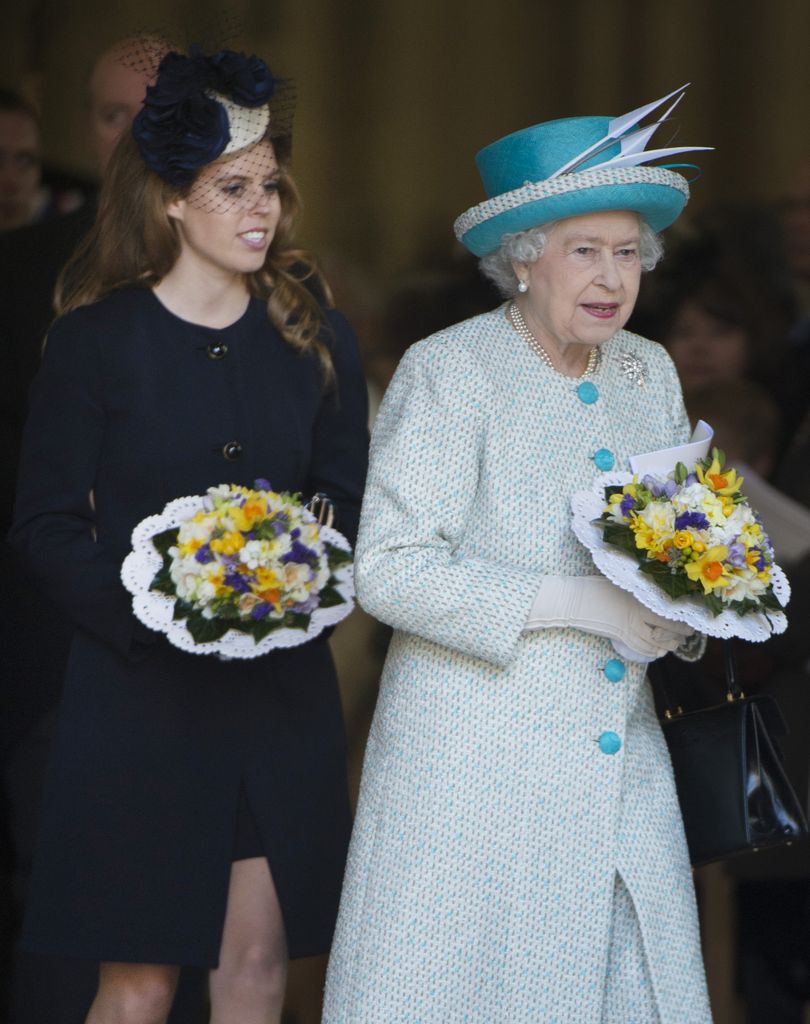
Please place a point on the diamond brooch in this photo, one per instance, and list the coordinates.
(634, 368)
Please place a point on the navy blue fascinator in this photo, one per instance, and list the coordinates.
(200, 108)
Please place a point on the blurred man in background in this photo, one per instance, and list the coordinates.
(20, 162)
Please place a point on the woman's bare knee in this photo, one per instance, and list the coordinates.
(259, 967)
(134, 994)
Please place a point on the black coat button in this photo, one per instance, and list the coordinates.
(217, 350)
(232, 450)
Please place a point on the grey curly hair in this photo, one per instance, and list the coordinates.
(528, 246)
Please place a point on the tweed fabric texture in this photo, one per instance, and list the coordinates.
(629, 996)
(491, 826)
(576, 182)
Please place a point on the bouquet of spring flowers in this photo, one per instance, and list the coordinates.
(238, 572)
(687, 544)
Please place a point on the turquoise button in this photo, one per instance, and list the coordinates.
(587, 392)
(614, 670)
(604, 459)
(609, 743)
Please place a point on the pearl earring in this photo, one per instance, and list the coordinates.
(522, 287)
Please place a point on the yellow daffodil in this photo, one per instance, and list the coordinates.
(720, 480)
(190, 547)
(645, 535)
(244, 517)
(228, 544)
(709, 569)
(682, 539)
(267, 579)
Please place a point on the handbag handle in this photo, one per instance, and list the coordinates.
(671, 710)
(733, 689)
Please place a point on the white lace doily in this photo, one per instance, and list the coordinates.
(621, 569)
(155, 610)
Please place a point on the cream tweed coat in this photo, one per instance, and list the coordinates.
(491, 824)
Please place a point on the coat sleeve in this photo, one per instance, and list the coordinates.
(426, 462)
(679, 418)
(54, 530)
(340, 441)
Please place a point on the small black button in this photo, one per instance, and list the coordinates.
(232, 450)
(217, 350)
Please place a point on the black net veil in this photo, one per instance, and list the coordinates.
(217, 121)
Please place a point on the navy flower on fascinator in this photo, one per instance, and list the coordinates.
(185, 122)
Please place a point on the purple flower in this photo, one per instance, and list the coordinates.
(653, 485)
(691, 479)
(628, 503)
(307, 607)
(670, 487)
(204, 555)
(736, 555)
(301, 554)
(695, 520)
(262, 485)
(237, 582)
(260, 611)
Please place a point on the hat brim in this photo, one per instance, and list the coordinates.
(655, 193)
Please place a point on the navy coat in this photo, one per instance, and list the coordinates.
(138, 407)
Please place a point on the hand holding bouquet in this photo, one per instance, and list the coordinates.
(240, 570)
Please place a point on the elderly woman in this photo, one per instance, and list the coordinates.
(518, 854)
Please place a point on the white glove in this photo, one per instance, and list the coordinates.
(595, 605)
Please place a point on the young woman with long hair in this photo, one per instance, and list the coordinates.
(197, 811)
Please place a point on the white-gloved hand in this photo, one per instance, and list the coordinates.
(595, 605)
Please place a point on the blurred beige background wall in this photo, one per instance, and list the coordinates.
(395, 96)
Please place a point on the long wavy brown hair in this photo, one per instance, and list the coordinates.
(134, 243)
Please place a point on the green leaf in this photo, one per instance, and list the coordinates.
(182, 609)
(164, 541)
(611, 490)
(205, 630)
(163, 582)
(330, 597)
(297, 620)
(714, 604)
(620, 536)
(263, 627)
(674, 585)
(264, 530)
(681, 473)
(337, 556)
(770, 601)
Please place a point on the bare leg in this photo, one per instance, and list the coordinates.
(134, 994)
(248, 985)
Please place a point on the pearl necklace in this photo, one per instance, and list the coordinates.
(522, 328)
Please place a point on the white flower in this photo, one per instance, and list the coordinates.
(746, 585)
(192, 530)
(254, 554)
(741, 517)
(295, 575)
(660, 517)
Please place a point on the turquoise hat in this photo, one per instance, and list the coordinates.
(569, 167)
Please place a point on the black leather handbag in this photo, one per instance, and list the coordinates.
(733, 791)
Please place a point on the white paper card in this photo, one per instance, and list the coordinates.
(664, 461)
